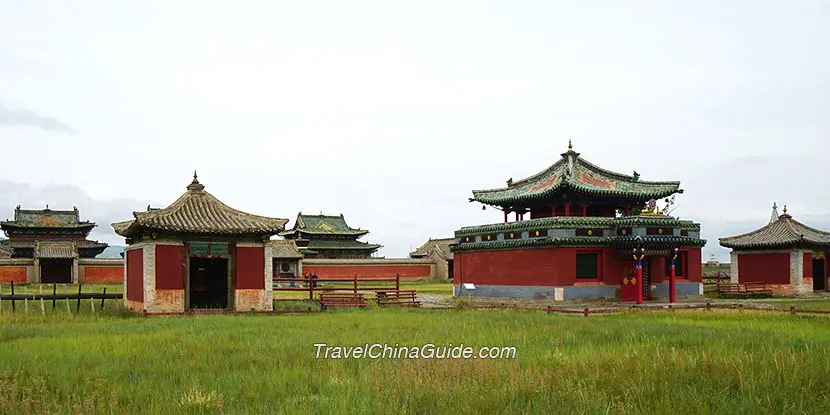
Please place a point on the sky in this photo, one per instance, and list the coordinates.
(392, 112)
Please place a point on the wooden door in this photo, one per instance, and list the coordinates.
(628, 289)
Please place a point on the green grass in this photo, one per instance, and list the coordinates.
(800, 304)
(663, 362)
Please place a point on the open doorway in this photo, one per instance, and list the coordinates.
(819, 278)
(56, 271)
(450, 269)
(209, 283)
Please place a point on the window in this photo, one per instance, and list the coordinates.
(679, 270)
(587, 266)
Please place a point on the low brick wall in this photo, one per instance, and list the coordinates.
(370, 268)
(17, 270)
(101, 270)
(16, 274)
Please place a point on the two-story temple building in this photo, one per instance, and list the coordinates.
(325, 236)
(576, 226)
(53, 241)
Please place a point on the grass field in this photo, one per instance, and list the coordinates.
(681, 362)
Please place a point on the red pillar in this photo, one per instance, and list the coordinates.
(672, 290)
(553, 210)
(517, 216)
(627, 210)
(505, 216)
(584, 210)
(567, 209)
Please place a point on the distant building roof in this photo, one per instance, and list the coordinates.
(341, 244)
(323, 225)
(783, 232)
(46, 218)
(197, 211)
(441, 246)
(285, 248)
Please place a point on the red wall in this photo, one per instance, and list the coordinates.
(250, 268)
(169, 267)
(695, 267)
(808, 265)
(555, 267)
(103, 273)
(771, 268)
(16, 274)
(367, 271)
(545, 266)
(135, 275)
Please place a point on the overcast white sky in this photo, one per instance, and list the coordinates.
(392, 113)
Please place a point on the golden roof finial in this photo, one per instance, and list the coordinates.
(785, 209)
(570, 146)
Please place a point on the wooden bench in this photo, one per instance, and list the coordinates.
(757, 289)
(335, 299)
(730, 289)
(403, 298)
(747, 289)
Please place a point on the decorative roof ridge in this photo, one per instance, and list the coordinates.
(46, 210)
(527, 180)
(592, 166)
(340, 216)
(790, 222)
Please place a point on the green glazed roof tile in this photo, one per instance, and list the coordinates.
(322, 225)
(570, 222)
(575, 174)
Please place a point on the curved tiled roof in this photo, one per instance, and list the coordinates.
(323, 225)
(442, 246)
(783, 232)
(576, 174)
(286, 249)
(197, 211)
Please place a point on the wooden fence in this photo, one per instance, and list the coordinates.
(25, 297)
(308, 284)
(707, 307)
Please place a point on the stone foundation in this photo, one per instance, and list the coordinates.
(134, 306)
(167, 301)
(257, 300)
(783, 289)
(578, 292)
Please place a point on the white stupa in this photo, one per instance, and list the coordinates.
(712, 260)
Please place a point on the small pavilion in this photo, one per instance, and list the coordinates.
(198, 253)
(785, 254)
